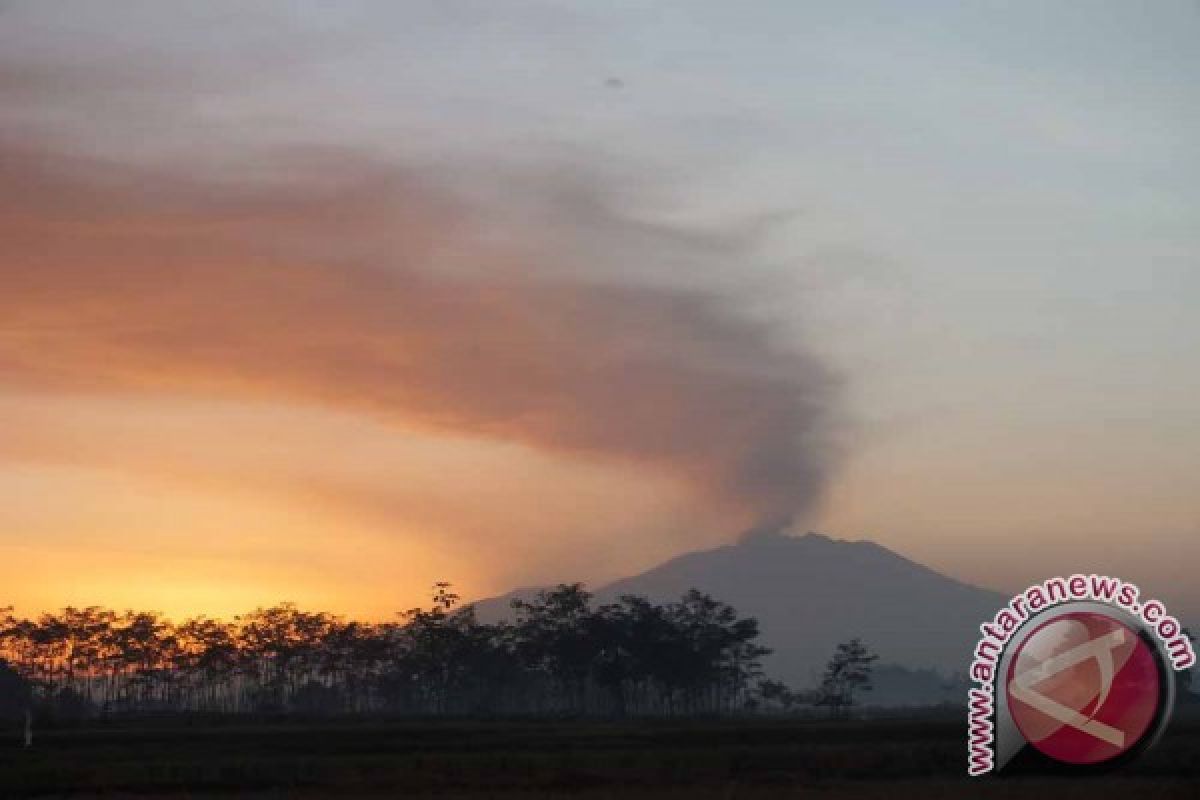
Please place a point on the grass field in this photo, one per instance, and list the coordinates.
(537, 759)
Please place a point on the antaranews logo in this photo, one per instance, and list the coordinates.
(1074, 673)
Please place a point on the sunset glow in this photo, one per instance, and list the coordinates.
(338, 303)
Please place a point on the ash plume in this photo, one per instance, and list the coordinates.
(335, 278)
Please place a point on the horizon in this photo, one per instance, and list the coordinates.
(750, 538)
(755, 538)
(335, 302)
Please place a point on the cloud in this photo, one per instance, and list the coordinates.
(324, 276)
(518, 306)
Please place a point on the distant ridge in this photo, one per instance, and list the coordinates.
(810, 592)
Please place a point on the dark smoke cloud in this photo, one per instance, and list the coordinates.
(329, 276)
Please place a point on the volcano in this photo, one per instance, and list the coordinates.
(811, 592)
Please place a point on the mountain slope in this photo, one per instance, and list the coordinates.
(811, 592)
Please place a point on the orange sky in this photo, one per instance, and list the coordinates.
(332, 303)
(186, 505)
(323, 384)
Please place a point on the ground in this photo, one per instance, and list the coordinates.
(527, 760)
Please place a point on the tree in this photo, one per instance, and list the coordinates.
(772, 695)
(15, 694)
(696, 655)
(847, 673)
(556, 636)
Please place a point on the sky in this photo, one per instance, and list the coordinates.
(324, 303)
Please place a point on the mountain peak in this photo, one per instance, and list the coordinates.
(809, 592)
(765, 536)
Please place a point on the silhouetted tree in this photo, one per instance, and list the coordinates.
(847, 673)
(774, 695)
(556, 637)
(16, 695)
(560, 655)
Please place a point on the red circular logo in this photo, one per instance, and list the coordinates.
(1084, 688)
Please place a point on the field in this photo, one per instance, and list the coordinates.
(539, 759)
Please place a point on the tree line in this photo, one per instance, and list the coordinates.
(559, 655)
